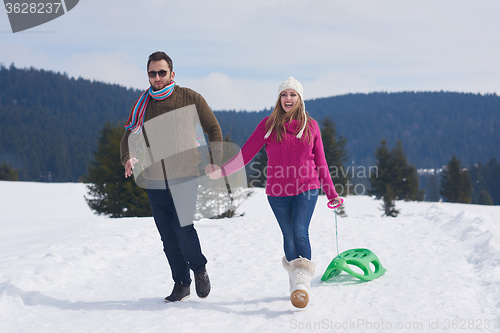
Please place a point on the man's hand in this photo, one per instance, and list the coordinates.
(213, 171)
(129, 166)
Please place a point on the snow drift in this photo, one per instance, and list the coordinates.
(64, 269)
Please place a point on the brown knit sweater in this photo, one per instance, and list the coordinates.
(166, 148)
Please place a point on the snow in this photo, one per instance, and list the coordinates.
(65, 269)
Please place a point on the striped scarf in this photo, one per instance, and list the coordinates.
(136, 118)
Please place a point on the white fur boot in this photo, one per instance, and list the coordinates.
(301, 273)
(286, 266)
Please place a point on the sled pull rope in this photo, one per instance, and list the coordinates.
(336, 234)
(337, 237)
(336, 225)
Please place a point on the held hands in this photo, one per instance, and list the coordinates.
(129, 166)
(213, 171)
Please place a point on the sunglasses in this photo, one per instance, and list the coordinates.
(162, 73)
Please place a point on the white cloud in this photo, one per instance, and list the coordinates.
(337, 84)
(24, 56)
(224, 93)
(114, 67)
(236, 53)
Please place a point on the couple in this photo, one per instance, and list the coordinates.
(293, 142)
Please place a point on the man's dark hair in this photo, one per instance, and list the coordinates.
(157, 56)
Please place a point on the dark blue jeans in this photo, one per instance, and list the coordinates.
(180, 244)
(294, 216)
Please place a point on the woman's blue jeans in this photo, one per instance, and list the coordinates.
(294, 216)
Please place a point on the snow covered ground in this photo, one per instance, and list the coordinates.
(64, 269)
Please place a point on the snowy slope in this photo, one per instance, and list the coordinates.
(64, 269)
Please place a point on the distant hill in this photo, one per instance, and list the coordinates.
(432, 125)
(50, 123)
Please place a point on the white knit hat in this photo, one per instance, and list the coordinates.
(291, 83)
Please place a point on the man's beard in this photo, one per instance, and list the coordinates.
(156, 89)
(162, 87)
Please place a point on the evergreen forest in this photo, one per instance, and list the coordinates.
(51, 125)
(432, 126)
(51, 122)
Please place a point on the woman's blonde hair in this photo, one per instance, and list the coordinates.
(278, 118)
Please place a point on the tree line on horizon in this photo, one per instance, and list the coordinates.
(111, 194)
(432, 126)
(52, 127)
(51, 122)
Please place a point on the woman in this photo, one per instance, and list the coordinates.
(296, 170)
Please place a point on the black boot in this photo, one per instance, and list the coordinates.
(202, 283)
(179, 293)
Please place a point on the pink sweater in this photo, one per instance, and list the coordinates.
(294, 166)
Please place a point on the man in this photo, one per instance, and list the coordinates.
(158, 119)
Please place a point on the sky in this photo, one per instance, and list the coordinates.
(236, 53)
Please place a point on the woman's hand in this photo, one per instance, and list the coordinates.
(335, 203)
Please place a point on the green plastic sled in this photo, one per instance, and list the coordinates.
(358, 257)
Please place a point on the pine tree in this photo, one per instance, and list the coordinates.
(220, 199)
(381, 183)
(394, 170)
(486, 182)
(380, 180)
(7, 172)
(228, 209)
(492, 174)
(456, 185)
(432, 189)
(110, 193)
(405, 182)
(336, 156)
(389, 207)
(258, 166)
(484, 198)
(334, 146)
(395, 179)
